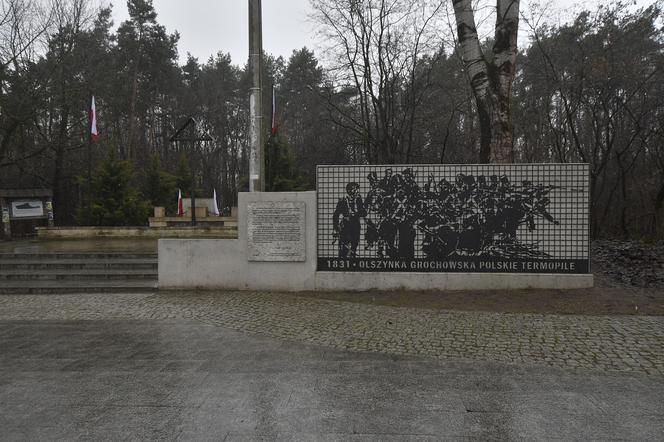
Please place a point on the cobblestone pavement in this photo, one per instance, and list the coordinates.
(606, 343)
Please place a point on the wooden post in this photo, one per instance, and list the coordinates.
(6, 223)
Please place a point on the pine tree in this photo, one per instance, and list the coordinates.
(114, 199)
(282, 173)
(160, 186)
(183, 175)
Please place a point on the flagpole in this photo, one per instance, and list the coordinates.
(271, 148)
(269, 158)
(192, 130)
(90, 117)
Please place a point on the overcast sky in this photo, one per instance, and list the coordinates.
(209, 26)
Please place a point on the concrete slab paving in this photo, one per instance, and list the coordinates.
(179, 379)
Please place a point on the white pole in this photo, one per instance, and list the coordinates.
(257, 154)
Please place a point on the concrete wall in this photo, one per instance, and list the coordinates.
(225, 264)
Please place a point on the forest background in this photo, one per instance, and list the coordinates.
(389, 86)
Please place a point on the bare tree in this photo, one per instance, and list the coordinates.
(376, 48)
(491, 75)
(22, 24)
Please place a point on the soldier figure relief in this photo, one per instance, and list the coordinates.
(471, 216)
(346, 221)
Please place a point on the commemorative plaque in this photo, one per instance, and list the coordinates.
(276, 231)
(483, 218)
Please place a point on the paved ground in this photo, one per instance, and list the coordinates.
(238, 366)
(606, 343)
(183, 380)
(167, 366)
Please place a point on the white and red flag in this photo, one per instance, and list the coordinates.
(94, 134)
(180, 208)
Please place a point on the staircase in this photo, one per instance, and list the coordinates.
(89, 272)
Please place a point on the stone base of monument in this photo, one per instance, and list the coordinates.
(278, 256)
(276, 250)
(334, 281)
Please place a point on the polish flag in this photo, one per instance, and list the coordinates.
(180, 208)
(94, 134)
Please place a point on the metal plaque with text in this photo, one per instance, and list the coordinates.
(276, 231)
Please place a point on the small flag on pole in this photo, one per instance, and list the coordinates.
(215, 208)
(274, 112)
(180, 208)
(94, 134)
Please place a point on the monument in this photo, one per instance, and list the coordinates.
(454, 218)
(413, 227)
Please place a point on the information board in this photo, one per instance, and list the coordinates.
(27, 209)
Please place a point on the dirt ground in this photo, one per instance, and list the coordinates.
(596, 301)
(610, 296)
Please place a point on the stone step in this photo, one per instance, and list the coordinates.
(52, 287)
(76, 272)
(72, 264)
(79, 274)
(75, 255)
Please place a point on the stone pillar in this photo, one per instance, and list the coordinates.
(256, 148)
(4, 213)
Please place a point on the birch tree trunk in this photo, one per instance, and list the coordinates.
(491, 76)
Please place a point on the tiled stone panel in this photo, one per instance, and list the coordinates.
(486, 218)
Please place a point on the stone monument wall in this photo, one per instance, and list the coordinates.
(419, 227)
(275, 249)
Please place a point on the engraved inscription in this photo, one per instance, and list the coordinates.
(275, 231)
